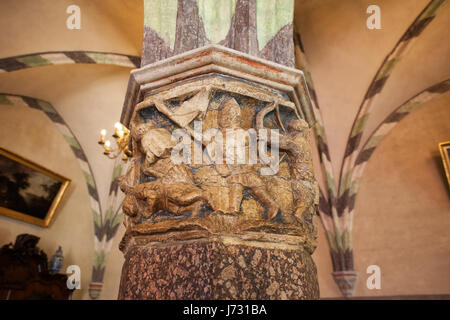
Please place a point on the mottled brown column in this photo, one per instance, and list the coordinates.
(213, 270)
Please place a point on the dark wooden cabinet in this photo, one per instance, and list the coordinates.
(24, 273)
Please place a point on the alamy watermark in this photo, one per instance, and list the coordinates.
(233, 146)
(73, 21)
(74, 277)
(374, 280)
(374, 20)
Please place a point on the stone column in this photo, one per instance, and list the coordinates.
(206, 219)
(262, 28)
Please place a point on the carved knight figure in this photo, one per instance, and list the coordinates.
(237, 177)
(296, 144)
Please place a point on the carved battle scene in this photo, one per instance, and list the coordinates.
(217, 156)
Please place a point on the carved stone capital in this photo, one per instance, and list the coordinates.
(263, 194)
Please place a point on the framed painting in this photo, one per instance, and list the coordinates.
(28, 191)
(444, 147)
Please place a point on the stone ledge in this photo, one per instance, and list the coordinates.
(222, 60)
(223, 229)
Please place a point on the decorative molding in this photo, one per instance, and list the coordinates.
(343, 260)
(340, 239)
(214, 76)
(218, 59)
(385, 127)
(184, 206)
(375, 138)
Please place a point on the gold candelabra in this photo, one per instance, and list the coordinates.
(122, 137)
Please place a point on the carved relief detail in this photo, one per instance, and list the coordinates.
(260, 201)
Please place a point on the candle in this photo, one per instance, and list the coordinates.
(107, 145)
(118, 127)
(102, 136)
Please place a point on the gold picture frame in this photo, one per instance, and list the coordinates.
(28, 191)
(444, 148)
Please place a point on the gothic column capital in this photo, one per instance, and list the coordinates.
(220, 60)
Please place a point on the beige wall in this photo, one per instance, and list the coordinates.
(109, 26)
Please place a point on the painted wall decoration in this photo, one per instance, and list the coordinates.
(346, 193)
(387, 125)
(40, 59)
(261, 28)
(28, 191)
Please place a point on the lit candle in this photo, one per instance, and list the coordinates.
(107, 145)
(102, 136)
(118, 127)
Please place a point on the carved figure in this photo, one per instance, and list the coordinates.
(172, 190)
(240, 176)
(298, 149)
(168, 190)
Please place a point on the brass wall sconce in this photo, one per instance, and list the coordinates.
(122, 137)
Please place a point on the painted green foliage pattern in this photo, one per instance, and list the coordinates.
(217, 15)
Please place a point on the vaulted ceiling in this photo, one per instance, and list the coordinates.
(343, 54)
